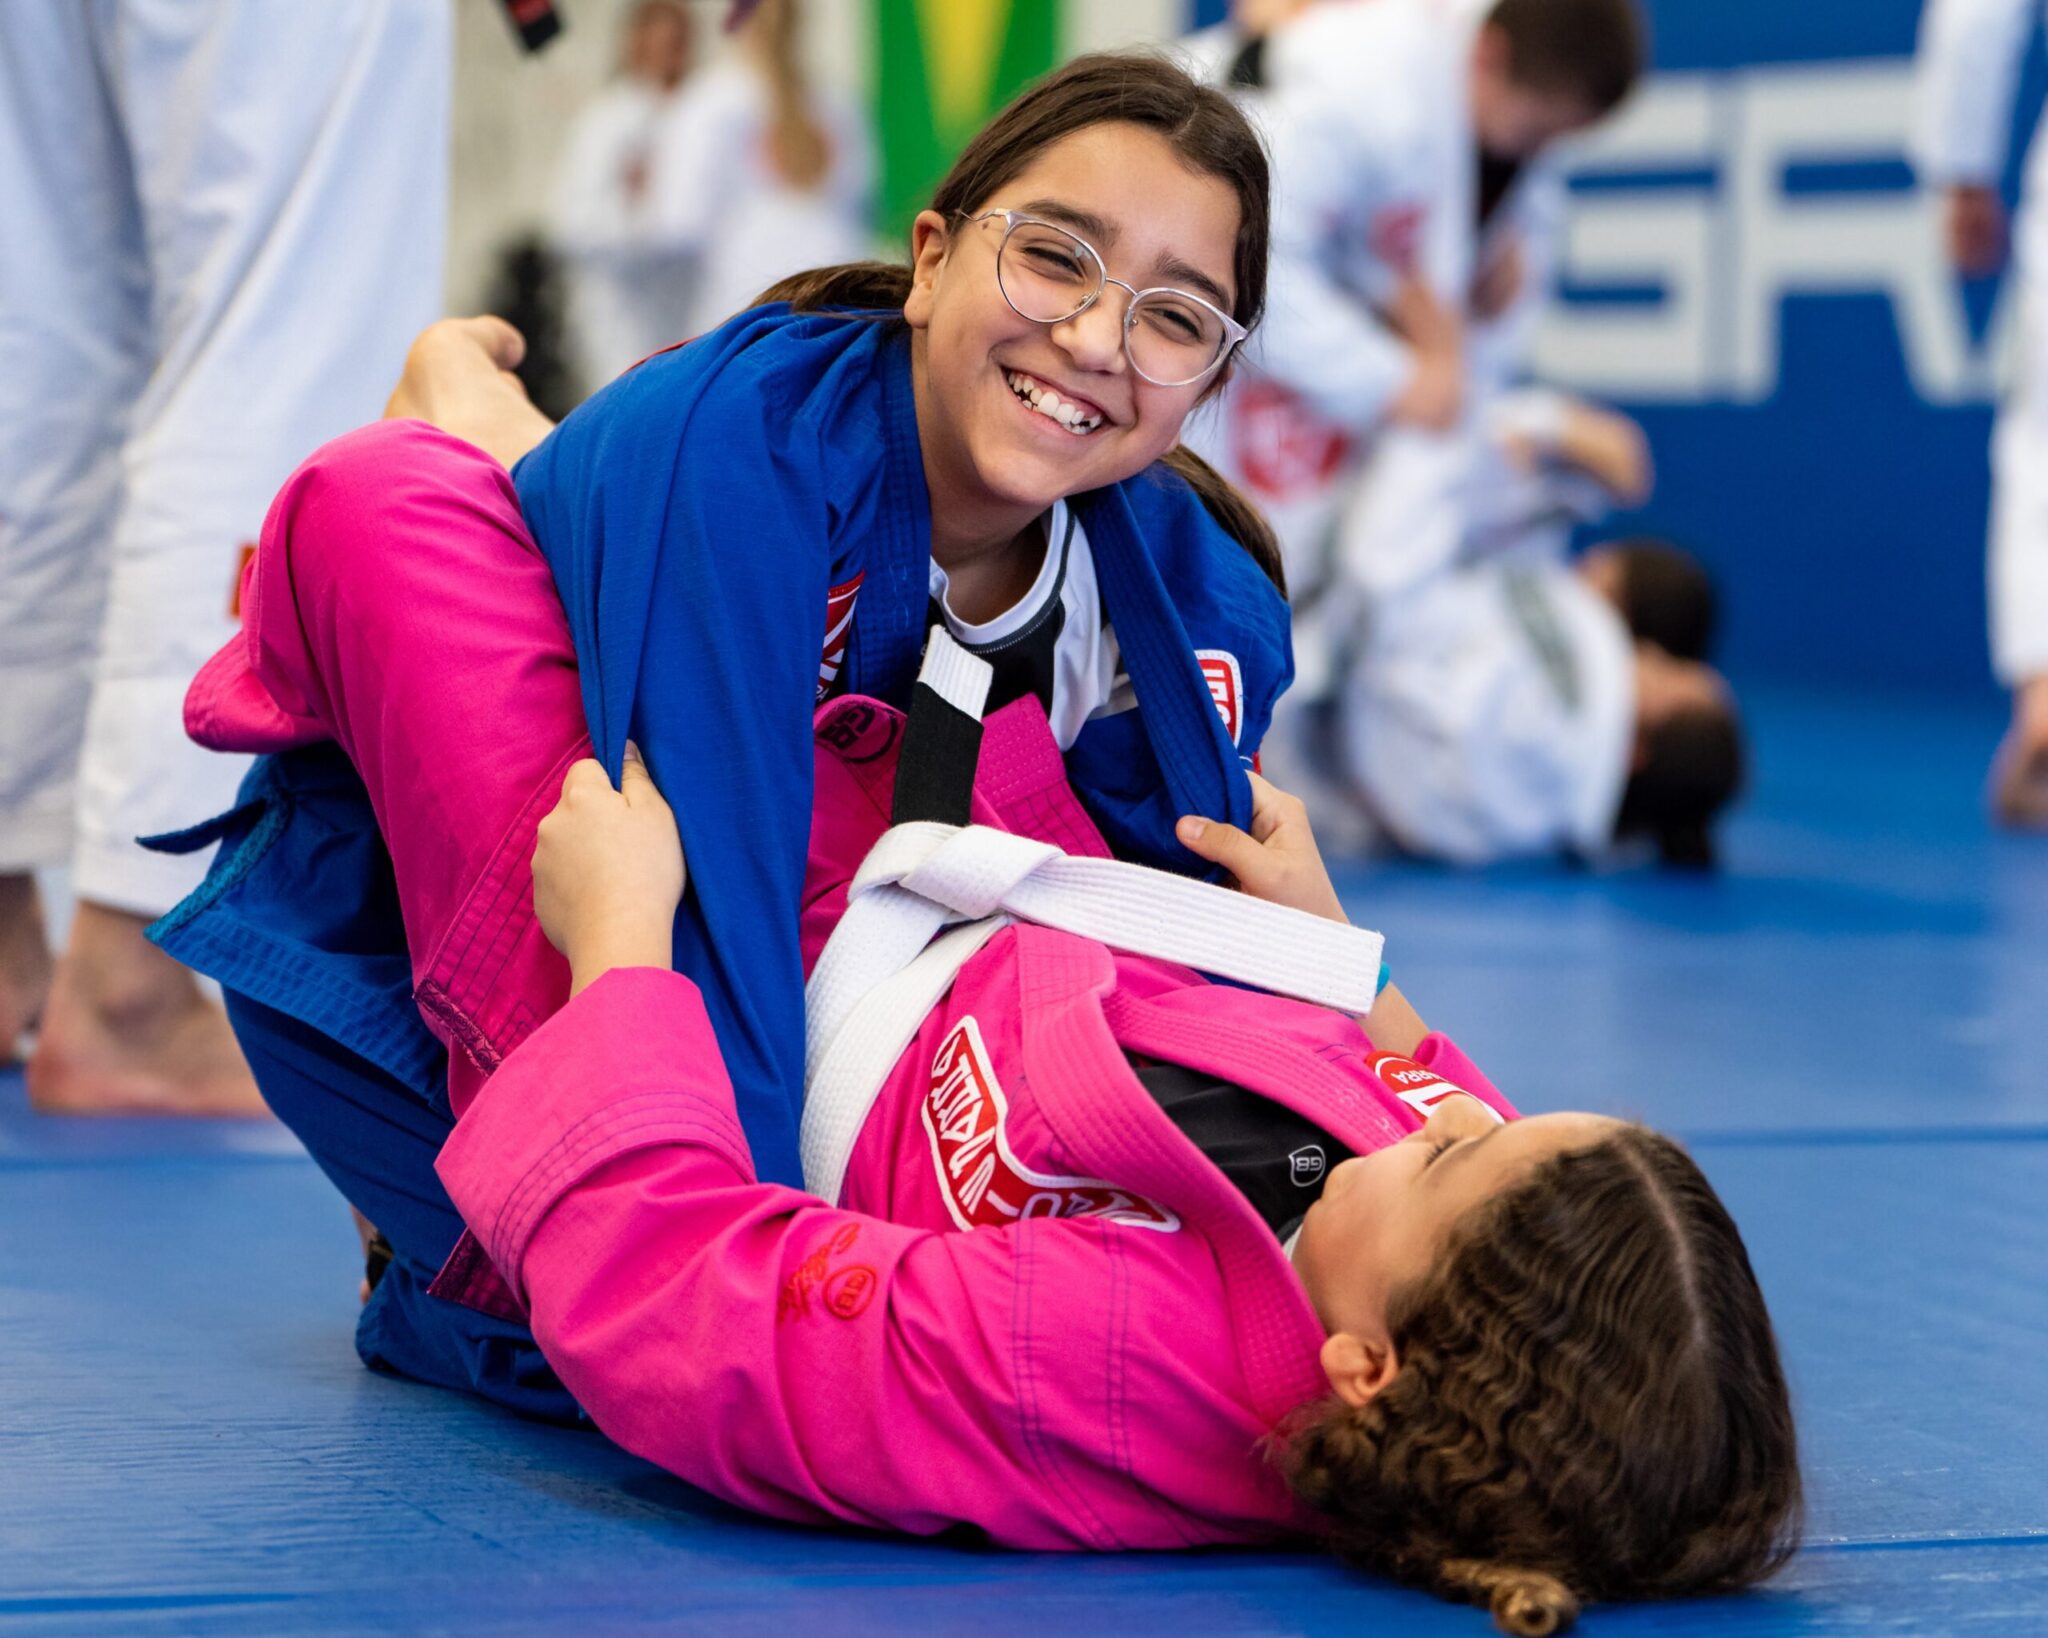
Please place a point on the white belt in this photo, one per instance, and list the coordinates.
(880, 973)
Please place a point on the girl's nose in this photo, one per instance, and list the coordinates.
(1460, 1115)
(1094, 339)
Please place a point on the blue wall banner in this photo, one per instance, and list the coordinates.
(1751, 270)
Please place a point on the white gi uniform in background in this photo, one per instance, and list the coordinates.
(628, 296)
(1970, 56)
(1484, 704)
(1491, 714)
(1434, 502)
(717, 194)
(1375, 171)
(223, 224)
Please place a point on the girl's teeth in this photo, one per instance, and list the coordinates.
(1050, 404)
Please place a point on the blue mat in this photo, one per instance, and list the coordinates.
(1847, 1027)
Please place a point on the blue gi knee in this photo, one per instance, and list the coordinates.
(298, 919)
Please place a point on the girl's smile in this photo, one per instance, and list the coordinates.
(1080, 416)
(1014, 414)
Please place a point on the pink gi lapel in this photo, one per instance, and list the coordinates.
(1073, 1061)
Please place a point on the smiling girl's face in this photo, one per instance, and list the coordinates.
(992, 462)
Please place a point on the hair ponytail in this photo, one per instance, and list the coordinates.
(1525, 1603)
(1240, 519)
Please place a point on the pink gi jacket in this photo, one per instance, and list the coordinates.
(1037, 1308)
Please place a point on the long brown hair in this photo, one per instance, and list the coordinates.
(1204, 128)
(1589, 1403)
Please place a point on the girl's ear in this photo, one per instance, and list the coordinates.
(1359, 1367)
(929, 242)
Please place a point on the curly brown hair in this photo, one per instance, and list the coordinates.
(1588, 1405)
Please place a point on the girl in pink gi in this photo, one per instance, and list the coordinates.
(1520, 1363)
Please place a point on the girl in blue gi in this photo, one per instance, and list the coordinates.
(737, 529)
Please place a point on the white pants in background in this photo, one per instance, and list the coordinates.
(2019, 467)
(223, 223)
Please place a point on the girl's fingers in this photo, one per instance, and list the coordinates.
(1221, 844)
(636, 784)
(588, 772)
(1272, 808)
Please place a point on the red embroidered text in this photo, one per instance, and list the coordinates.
(984, 1184)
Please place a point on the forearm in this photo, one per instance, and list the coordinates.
(1393, 1025)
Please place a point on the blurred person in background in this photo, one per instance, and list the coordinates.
(1232, 54)
(1497, 699)
(759, 173)
(1970, 57)
(629, 293)
(223, 225)
(1416, 204)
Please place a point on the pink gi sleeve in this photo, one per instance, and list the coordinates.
(795, 1359)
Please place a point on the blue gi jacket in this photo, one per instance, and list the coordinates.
(696, 513)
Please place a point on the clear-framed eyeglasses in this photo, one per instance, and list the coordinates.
(1048, 275)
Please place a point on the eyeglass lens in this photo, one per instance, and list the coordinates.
(1049, 275)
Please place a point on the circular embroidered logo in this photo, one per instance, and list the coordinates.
(849, 1290)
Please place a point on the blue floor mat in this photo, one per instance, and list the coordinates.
(1846, 1026)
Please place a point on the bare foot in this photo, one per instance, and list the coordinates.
(24, 962)
(376, 1252)
(458, 376)
(2019, 776)
(127, 1031)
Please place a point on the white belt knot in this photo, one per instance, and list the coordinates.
(969, 871)
(882, 971)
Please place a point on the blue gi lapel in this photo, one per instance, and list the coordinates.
(1202, 768)
(889, 619)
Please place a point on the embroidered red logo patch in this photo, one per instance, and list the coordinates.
(1226, 687)
(839, 603)
(844, 1291)
(1283, 449)
(1420, 1089)
(984, 1184)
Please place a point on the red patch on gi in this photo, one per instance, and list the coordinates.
(847, 1290)
(1395, 234)
(1282, 447)
(1419, 1088)
(984, 1184)
(839, 603)
(1226, 686)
